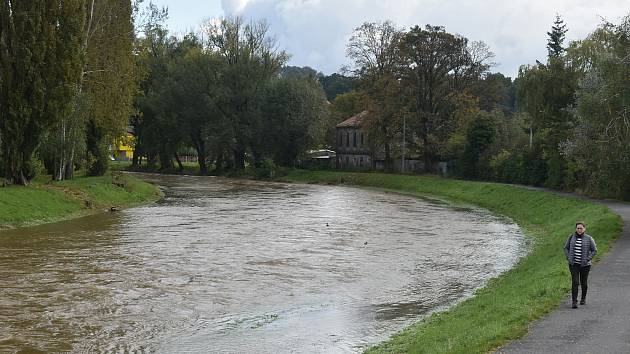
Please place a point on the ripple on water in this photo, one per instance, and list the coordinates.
(241, 266)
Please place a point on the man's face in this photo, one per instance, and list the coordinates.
(579, 228)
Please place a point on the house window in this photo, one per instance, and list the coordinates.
(361, 139)
(340, 140)
(354, 139)
(347, 139)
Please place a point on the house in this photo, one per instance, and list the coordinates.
(123, 147)
(353, 150)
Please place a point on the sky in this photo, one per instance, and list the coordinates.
(315, 32)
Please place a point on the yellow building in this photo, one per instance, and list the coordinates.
(124, 147)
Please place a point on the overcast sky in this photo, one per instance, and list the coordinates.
(315, 32)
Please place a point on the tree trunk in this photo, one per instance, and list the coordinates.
(179, 162)
(257, 157)
(239, 158)
(202, 159)
(166, 161)
(388, 158)
(69, 171)
(218, 165)
(134, 159)
(202, 156)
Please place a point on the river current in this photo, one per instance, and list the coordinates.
(224, 266)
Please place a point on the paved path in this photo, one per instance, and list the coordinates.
(602, 326)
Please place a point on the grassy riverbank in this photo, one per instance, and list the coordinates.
(45, 201)
(502, 310)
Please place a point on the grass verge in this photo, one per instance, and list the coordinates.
(43, 202)
(502, 310)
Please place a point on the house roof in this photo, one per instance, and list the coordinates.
(354, 121)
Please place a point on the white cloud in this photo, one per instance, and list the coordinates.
(315, 32)
(232, 7)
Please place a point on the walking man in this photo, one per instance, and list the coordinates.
(579, 249)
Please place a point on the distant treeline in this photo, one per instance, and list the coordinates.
(564, 123)
(76, 75)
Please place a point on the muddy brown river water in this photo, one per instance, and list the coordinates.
(223, 266)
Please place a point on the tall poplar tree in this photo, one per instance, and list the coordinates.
(40, 65)
(109, 80)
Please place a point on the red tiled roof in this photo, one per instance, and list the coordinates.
(354, 121)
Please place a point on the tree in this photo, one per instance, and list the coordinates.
(152, 52)
(336, 84)
(109, 77)
(185, 100)
(495, 91)
(40, 63)
(480, 134)
(296, 72)
(293, 112)
(374, 48)
(250, 59)
(556, 38)
(437, 67)
(599, 150)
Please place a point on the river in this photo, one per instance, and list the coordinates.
(226, 266)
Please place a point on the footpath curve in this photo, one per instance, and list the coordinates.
(603, 324)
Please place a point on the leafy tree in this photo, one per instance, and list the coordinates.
(336, 84)
(480, 134)
(159, 134)
(375, 49)
(293, 111)
(250, 59)
(40, 63)
(152, 51)
(437, 66)
(110, 81)
(296, 72)
(599, 148)
(495, 91)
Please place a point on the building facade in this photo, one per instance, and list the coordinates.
(353, 150)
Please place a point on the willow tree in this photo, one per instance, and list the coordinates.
(40, 66)
(599, 149)
(249, 59)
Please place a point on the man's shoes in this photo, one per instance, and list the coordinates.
(583, 302)
(574, 305)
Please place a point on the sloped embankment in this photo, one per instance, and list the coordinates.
(53, 201)
(503, 309)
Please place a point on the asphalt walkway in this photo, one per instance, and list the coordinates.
(602, 326)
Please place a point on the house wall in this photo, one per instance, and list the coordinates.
(352, 161)
(352, 148)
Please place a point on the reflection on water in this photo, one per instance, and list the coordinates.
(243, 267)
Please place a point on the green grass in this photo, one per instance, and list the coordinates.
(45, 201)
(503, 309)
